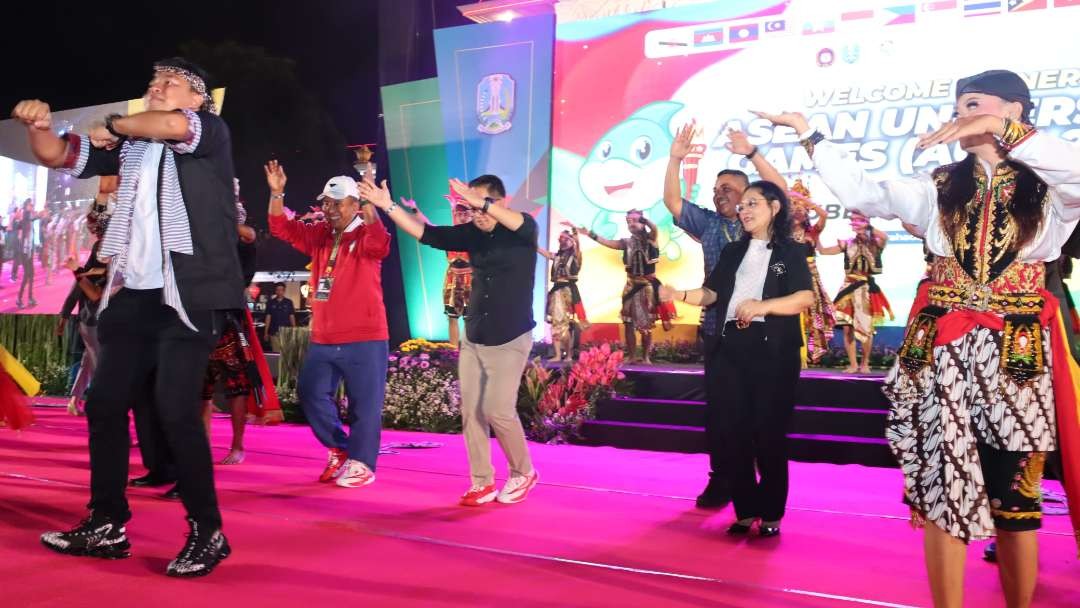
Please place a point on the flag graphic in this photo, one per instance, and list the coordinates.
(857, 15)
(820, 27)
(743, 33)
(979, 8)
(777, 25)
(1064, 3)
(1016, 6)
(901, 14)
(938, 5)
(710, 37)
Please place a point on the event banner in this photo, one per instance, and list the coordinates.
(872, 76)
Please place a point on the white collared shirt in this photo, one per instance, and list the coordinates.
(144, 266)
(750, 277)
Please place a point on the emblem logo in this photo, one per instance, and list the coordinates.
(495, 103)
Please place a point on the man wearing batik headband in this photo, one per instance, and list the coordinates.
(982, 389)
(173, 272)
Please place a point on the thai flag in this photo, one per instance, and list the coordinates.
(743, 33)
(979, 8)
(711, 37)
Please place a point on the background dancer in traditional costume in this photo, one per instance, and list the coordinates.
(565, 311)
(861, 305)
(818, 321)
(983, 387)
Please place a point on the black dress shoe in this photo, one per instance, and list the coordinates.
(768, 531)
(173, 493)
(150, 480)
(737, 529)
(709, 500)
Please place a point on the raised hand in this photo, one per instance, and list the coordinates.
(33, 113)
(684, 137)
(462, 190)
(101, 138)
(275, 176)
(795, 120)
(967, 126)
(377, 195)
(738, 143)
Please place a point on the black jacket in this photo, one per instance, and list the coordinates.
(210, 279)
(788, 273)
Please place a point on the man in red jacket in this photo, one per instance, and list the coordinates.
(348, 327)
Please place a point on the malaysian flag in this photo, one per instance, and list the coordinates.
(775, 26)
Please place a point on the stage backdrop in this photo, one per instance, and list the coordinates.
(495, 87)
(871, 75)
(415, 143)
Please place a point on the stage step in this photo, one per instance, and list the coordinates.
(805, 447)
(816, 387)
(808, 419)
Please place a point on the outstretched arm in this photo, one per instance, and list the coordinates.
(612, 244)
(380, 197)
(739, 144)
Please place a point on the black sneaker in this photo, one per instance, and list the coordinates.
(94, 537)
(204, 550)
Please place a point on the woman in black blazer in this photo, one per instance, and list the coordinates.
(761, 284)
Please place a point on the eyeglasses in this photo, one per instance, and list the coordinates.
(750, 204)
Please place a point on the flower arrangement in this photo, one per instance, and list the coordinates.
(422, 388)
(555, 405)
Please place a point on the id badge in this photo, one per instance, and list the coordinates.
(322, 292)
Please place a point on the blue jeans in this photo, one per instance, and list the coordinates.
(363, 366)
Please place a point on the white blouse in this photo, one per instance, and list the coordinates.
(913, 200)
(750, 277)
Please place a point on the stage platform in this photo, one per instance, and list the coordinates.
(605, 527)
(839, 418)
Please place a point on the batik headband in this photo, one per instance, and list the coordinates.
(197, 84)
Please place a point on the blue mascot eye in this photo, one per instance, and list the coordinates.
(642, 148)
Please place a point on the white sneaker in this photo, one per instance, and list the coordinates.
(355, 474)
(517, 488)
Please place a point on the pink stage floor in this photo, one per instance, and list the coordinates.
(605, 527)
(49, 297)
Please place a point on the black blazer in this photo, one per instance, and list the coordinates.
(788, 273)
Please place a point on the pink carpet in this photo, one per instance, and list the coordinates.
(605, 527)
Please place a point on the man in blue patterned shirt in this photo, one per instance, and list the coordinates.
(714, 230)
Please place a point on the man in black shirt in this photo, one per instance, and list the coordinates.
(173, 273)
(280, 312)
(501, 244)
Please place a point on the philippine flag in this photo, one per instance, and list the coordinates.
(743, 33)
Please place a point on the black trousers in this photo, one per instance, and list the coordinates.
(754, 397)
(144, 343)
(153, 446)
(719, 473)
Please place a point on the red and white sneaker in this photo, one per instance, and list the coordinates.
(479, 495)
(517, 488)
(355, 474)
(334, 463)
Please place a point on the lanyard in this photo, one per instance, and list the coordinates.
(328, 272)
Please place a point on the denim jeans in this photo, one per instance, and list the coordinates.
(363, 366)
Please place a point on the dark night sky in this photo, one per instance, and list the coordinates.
(74, 54)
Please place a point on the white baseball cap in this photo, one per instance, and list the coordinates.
(340, 187)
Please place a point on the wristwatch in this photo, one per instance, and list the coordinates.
(109, 125)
